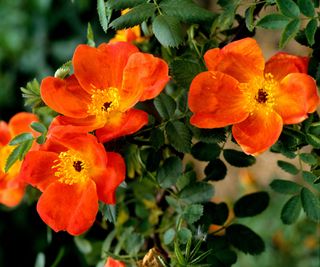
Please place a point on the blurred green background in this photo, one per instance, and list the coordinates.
(38, 36)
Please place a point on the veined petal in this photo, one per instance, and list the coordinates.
(65, 96)
(4, 133)
(296, 96)
(129, 122)
(282, 64)
(144, 77)
(102, 67)
(20, 123)
(258, 132)
(70, 208)
(37, 169)
(216, 100)
(108, 182)
(242, 59)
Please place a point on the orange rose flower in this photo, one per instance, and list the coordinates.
(255, 97)
(114, 263)
(73, 173)
(11, 187)
(107, 82)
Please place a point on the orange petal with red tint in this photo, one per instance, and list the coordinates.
(37, 169)
(70, 208)
(108, 182)
(144, 77)
(258, 132)
(282, 64)
(216, 100)
(130, 122)
(102, 67)
(296, 96)
(20, 123)
(4, 133)
(240, 59)
(65, 96)
(114, 263)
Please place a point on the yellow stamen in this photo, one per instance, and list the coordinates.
(71, 168)
(103, 102)
(260, 93)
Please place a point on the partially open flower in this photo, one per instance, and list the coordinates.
(73, 172)
(107, 82)
(11, 187)
(255, 97)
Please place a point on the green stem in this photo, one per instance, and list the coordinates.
(158, 8)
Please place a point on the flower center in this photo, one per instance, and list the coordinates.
(71, 168)
(260, 92)
(103, 102)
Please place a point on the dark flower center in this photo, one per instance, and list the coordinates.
(107, 105)
(262, 96)
(77, 165)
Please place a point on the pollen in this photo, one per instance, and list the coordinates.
(71, 168)
(104, 102)
(260, 93)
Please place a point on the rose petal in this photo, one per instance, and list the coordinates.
(4, 133)
(130, 122)
(282, 64)
(65, 96)
(20, 123)
(70, 208)
(240, 59)
(108, 182)
(296, 96)
(259, 131)
(216, 100)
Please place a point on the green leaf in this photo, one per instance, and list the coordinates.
(186, 11)
(186, 179)
(311, 178)
(310, 30)
(205, 152)
(179, 136)
(135, 16)
(288, 167)
(244, 239)
(83, 245)
(216, 170)
(169, 236)
(167, 30)
(251, 204)
(291, 210)
(288, 8)
(184, 234)
(238, 158)
(110, 213)
(289, 32)
(13, 157)
(184, 70)
(314, 128)
(306, 8)
(90, 36)
(313, 140)
(285, 186)
(40, 260)
(165, 105)
(104, 14)
(31, 94)
(197, 192)
(24, 148)
(169, 172)
(123, 4)
(215, 213)
(273, 21)
(310, 204)
(308, 158)
(21, 138)
(209, 135)
(192, 213)
(249, 17)
(157, 138)
(39, 127)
